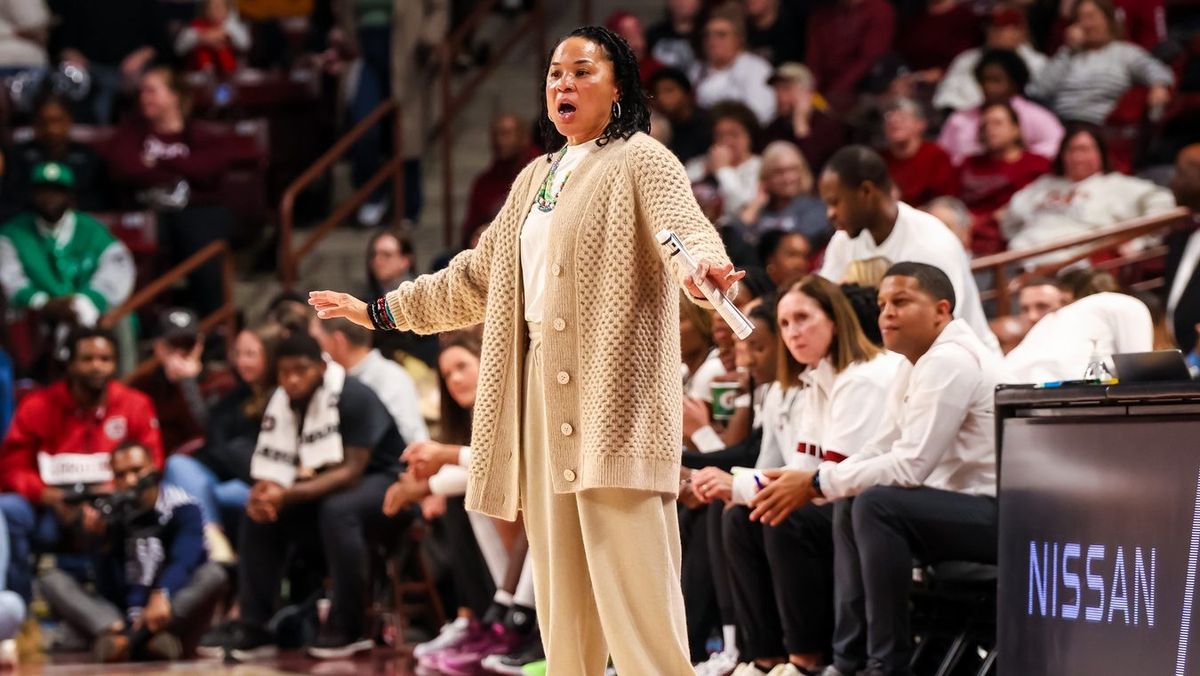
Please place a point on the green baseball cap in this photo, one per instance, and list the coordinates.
(54, 173)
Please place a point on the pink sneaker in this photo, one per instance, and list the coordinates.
(465, 661)
(448, 642)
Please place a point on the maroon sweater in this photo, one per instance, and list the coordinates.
(845, 40)
(923, 176)
(987, 184)
(139, 159)
(933, 40)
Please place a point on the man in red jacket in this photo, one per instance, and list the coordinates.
(62, 436)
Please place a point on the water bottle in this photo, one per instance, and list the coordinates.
(1097, 371)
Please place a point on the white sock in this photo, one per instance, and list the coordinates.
(524, 593)
(503, 598)
(490, 545)
(729, 634)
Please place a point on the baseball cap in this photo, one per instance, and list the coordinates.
(792, 72)
(177, 323)
(53, 173)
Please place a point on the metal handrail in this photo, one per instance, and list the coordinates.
(226, 314)
(534, 24)
(289, 259)
(1001, 264)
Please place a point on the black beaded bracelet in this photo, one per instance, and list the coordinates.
(381, 315)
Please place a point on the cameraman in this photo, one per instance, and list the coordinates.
(152, 566)
(61, 436)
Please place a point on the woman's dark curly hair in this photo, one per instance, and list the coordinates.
(635, 109)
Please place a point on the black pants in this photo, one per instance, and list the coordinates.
(782, 581)
(699, 598)
(877, 535)
(183, 233)
(339, 521)
(473, 583)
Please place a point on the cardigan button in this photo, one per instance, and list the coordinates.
(557, 270)
(566, 429)
(563, 377)
(560, 324)
(569, 475)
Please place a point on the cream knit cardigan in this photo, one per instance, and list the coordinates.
(611, 328)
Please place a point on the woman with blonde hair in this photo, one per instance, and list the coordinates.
(867, 271)
(785, 200)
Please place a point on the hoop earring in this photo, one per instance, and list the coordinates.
(617, 106)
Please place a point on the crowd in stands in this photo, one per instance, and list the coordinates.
(854, 155)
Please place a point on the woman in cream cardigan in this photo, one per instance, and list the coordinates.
(578, 418)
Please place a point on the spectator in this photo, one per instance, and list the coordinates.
(12, 607)
(871, 222)
(175, 386)
(701, 359)
(174, 166)
(673, 40)
(989, 180)
(782, 562)
(1062, 343)
(955, 215)
(393, 42)
(390, 260)
(785, 200)
(511, 151)
(1002, 76)
(51, 142)
(1007, 31)
(113, 41)
(1037, 298)
(1094, 69)
(729, 72)
(7, 381)
(349, 345)
(785, 256)
(628, 26)
(803, 117)
(731, 162)
(922, 488)
(845, 40)
(330, 470)
(218, 475)
(691, 127)
(775, 30)
(1142, 22)
(61, 262)
(1079, 197)
(24, 30)
(920, 169)
(61, 436)
(215, 40)
(1183, 253)
(930, 39)
(155, 590)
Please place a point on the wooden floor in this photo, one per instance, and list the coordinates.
(380, 662)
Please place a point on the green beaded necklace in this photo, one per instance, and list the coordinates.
(546, 199)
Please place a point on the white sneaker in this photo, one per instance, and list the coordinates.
(451, 632)
(371, 213)
(718, 664)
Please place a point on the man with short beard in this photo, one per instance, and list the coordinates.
(62, 436)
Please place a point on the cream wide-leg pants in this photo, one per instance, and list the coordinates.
(606, 562)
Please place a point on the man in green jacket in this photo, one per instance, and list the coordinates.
(59, 261)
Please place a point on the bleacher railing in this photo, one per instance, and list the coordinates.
(1010, 268)
(225, 315)
(289, 258)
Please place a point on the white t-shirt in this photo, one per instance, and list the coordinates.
(698, 385)
(939, 430)
(920, 238)
(396, 389)
(536, 231)
(1059, 346)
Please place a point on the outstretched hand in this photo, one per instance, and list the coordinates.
(332, 304)
(722, 277)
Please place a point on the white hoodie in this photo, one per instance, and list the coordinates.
(939, 428)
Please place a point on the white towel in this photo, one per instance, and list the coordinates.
(282, 448)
